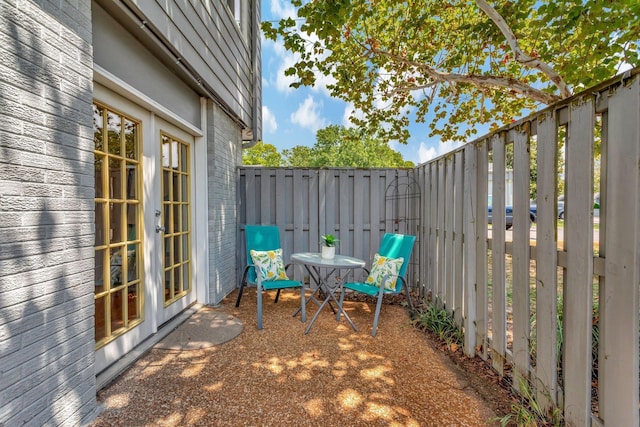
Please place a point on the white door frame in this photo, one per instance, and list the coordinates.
(112, 91)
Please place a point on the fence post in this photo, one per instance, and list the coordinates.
(619, 366)
(470, 236)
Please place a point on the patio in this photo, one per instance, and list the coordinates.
(280, 376)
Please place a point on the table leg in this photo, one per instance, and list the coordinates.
(320, 285)
(330, 296)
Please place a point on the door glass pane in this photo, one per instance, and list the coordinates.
(133, 298)
(115, 178)
(114, 124)
(100, 222)
(101, 318)
(115, 222)
(176, 199)
(177, 280)
(132, 181)
(185, 218)
(100, 272)
(118, 224)
(98, 127)
(176, 218)
(131, 139)
(133, 264)
(99, 178)
(117, 310)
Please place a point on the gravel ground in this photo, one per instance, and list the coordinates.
(279, 376)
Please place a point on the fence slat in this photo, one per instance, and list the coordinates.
(448, 235)
(622, 269)
(458, 233)
(546, 263)
(481, 252)
(498, 280)
(578, 292)
(440, 233)
(470, 209)
(520, 259)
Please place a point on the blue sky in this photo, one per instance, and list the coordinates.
(291, 116)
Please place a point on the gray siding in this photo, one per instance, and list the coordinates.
(224, 156)
(46, 215)
(118, 51)
(207, 39)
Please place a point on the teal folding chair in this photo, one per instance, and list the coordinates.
(265, 238)
(391, 246)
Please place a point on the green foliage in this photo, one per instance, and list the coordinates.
(337, 146)
(329, 240)
(449, 63)
(440, 322)
(262, 154)
(528, 412)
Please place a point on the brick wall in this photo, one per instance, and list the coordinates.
(224, 154)
(46, 214)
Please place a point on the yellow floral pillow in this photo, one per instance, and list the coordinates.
(270, 264)
(382, 266)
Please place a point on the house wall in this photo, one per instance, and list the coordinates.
(203, 34)
(46, 215)
(224, 154)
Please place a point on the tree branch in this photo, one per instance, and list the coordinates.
(478, 80)
(519, 55)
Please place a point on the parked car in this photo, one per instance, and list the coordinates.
(509, 215)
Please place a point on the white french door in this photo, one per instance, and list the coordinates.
(144, 223)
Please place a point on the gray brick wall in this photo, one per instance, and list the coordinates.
(224, 154)
(46, 214)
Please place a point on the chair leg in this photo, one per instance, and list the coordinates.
(259, 306)
(302, 304)
(277, 296)
(409, 302)
(377, 315)
(341, 304)
(242, 284)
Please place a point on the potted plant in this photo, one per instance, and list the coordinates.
(328, 245)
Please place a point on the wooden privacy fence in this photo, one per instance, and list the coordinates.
(555, 303)
(357, 206)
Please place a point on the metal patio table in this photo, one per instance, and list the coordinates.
(314, 263)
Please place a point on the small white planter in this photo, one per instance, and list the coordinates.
(328, 252)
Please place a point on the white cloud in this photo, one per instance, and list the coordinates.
(269, 122)
(426, 153)
(283, 9)
(307, 115)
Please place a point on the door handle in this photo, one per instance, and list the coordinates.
(161, 228)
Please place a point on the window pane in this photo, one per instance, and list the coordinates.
(132, 180)
(101, 218)
(185, 277)
(168, 259)
(100, 280)
(185, 188)
(177, 282)
(133, 307)
(99, 175)
(131, 139)
(117, 312)
(98, 127)
(132, 220)
(133, 264)
(185, 218)
(176, 219)
(167, 286)
(184, 158)
(115, 220)
(114, 126)
(115, 178)
(100, 319)
(115, 266)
